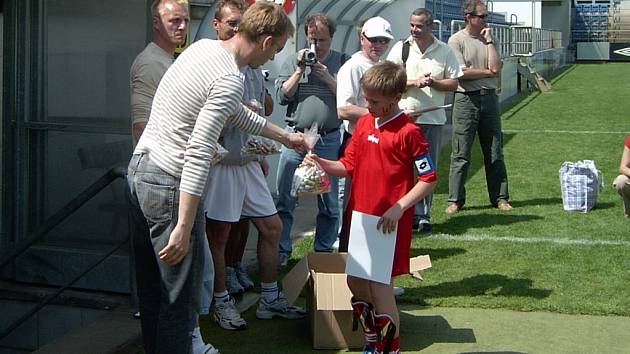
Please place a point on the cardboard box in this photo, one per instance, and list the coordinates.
(328, 297)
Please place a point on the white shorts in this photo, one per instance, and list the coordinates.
(237, 192)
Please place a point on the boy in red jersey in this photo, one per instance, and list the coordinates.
(386, 153)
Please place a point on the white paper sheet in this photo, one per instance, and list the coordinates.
(370, 251)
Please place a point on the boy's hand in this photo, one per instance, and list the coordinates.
(310, 159)
(389, 220)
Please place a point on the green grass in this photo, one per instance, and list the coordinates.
(475, 262)
(542, 276)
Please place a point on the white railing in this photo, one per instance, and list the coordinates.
(518, 40)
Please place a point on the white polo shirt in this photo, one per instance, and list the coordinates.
(439, 60)
(349, 90)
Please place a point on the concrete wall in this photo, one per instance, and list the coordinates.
(593, 51)
(557, 16)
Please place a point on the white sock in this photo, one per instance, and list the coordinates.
(223, 296)
(269, 291)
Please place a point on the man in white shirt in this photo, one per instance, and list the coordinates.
(432, 71)
(375, 35)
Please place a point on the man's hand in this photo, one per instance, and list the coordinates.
(321, 71)
(424, 81)
(177, 247)
(294, 141)
(253, 105)
(264, 165)
(300, 59)
(487, 34)
(389, 220)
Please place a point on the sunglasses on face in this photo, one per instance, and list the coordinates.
(480, 16)
(377, 40)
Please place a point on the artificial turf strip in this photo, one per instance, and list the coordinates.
(565, 278)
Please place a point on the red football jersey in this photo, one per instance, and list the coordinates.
(382, 162)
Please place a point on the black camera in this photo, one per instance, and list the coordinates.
(310, 56)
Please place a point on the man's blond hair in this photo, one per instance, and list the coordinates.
(155, 7)
(387, 78)
(265, 18)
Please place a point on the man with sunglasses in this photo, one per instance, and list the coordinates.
(374, 37)
(432, 71)
(476, 110)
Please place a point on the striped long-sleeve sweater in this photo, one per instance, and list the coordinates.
(199, 93)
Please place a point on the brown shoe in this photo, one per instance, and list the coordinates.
(504, 206)
(452, 208)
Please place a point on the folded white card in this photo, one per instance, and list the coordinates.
(370, 251)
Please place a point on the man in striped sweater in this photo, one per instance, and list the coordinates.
(199, 93)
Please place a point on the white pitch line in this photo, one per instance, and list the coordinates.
(552, 240)
(549, 131)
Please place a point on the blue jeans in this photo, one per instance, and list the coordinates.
(328, 215)
(433, 135)
(168, 295)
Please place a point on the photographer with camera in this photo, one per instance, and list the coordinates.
(307, 85)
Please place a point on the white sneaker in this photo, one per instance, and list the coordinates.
(209, 349)
(243, 278)
(227, 316)
(278, 308)
(335, 246)
(232, 283)
(398, 291)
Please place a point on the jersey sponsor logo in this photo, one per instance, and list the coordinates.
(424, 165)
(373, 139)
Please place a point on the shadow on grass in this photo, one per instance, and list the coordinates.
(437, 253)
(419, 332)
(606, 205)
(492, 353)
(478, 285)
(461, 223)
(523, 203)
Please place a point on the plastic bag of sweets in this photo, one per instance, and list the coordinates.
(258, 145)
(310, 179)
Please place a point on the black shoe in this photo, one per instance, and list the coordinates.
(416, 223)
(425, 227)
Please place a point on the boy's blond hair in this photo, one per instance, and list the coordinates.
(155, 7)
(387, 78)
(265, 18)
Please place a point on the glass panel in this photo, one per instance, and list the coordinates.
(73, 162)
(89, 47)
(1, 96)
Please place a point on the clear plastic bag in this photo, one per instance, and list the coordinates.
(311, 136)
(258, 145)
(310, 179)
(219, 155)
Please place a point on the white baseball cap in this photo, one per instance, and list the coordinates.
(377, 27)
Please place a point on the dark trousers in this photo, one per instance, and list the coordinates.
(477, 115)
